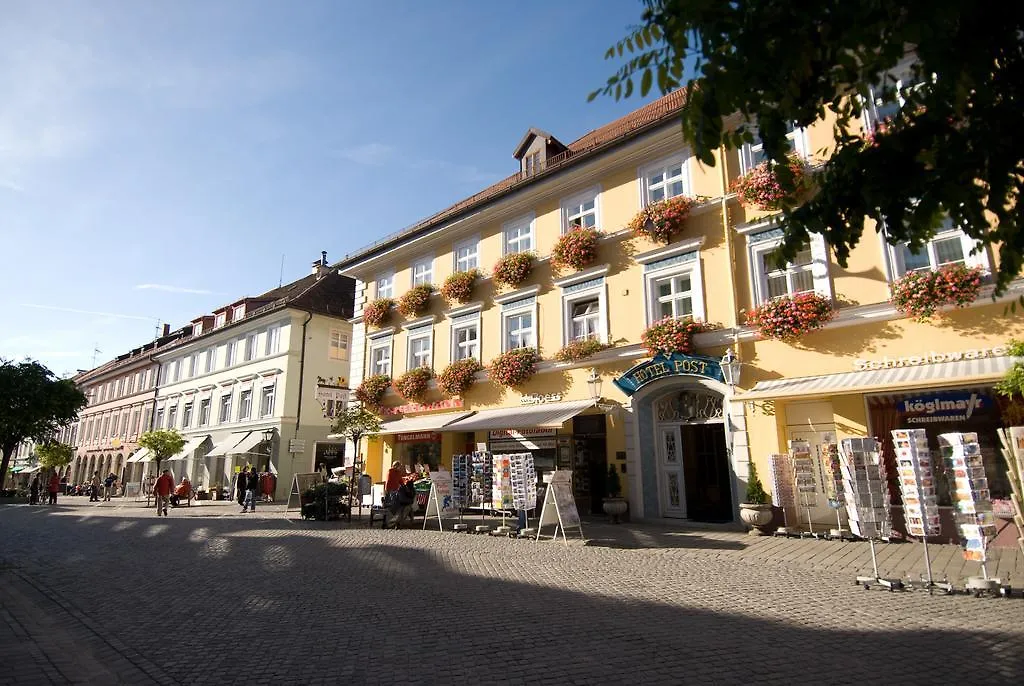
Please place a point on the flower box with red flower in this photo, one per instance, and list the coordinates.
(790, 316)
(458, 377)
(414, 383)
(760, 187)
(512, 269)
(376, 312)
(576, 248)
(670, 335)
(415, 300)
(515, 367)
(661, 220)
(459, 286)
(920, 294)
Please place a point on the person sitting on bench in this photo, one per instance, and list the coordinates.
(184, 490)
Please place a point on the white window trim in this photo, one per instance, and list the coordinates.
(241, 393)
(893, 254)
(696, 272)
(425, 259)
(465, 309)
(344, 352)
(273, 409)
(800, 147)
(903, 73)
(472, 242)
(529, 218)
(517, 295)
(643, 172)
(594, 192)
(423, 332)
(819, 267)
(380, 342)
(511, 313)
(390, 276)
(568, 300)
(465, 324)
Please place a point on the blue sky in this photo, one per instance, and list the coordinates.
(158, 158)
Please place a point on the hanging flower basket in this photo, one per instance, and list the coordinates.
(669, 335)
(512, 269)
(580, 350)
(661, 220)
(457, 377)
(413, 384)
(515, 367)
(920, 294)
(576, 249)
(378, 311)
(789, 317)
(459, 286)
(760, 186)
(415, 300)
(371, 391)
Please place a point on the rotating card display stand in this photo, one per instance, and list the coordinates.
(1013, 454)
(805, 480)
(834, 488)
(867, 503)
(472, 477)
(920, 504)
(524, 488)
(501, 491)
(972, 498)
(462, 466)
(783, 491)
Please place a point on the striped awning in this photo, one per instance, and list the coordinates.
(551, 415)
(957, 372)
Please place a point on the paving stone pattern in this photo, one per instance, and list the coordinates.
(117, 595)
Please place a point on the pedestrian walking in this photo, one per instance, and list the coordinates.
(252, 487)
(162, 491)
(108, 486)
(54, 487)
(94, 483)
(240, 484)
(267, 486)
(34, 490)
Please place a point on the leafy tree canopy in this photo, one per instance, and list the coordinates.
(354, 422)
(163, 443)
(34, 404)
(954, 144)
(54, 455)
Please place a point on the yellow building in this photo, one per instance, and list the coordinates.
(680, 436)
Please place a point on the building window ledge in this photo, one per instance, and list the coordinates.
(517, 294)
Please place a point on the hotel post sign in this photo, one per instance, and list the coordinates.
(664, 366)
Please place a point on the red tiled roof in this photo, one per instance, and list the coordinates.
(652, 113)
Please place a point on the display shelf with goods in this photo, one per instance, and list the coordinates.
(916, 471)
(524, 485)
(501, 489)
(804, 480)
(867, 501)
(1012, 440)
(972, 499)
(472, 484)
(783, 490)
(834, 488)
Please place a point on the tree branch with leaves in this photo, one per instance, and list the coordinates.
(163, 443)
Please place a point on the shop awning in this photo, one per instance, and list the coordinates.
(933, 375)
(433, 422)
(189, 448)
(551, 415)
(143, 455)
(30, 470)
(224, 445)
(246, 445)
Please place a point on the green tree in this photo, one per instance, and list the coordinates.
(354, 423)
(55, 455)
(954, 145)
(34, 404)
(163, 443)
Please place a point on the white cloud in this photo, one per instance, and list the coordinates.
(171, 289)
(372, 154)
(74, 310)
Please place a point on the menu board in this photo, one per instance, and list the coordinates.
(524, 482)
(783, 488)
(864, 489)
(969, 489)
(501, 483)
(917, 481)
(559, 504)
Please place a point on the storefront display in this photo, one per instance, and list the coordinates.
(971, 495)
(783, 489)
(524, 482)
(864, 491)
(917, 482)
(421, 447)
(804, 478)
(501, 484)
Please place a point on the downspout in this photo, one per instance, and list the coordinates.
(731, 250)
(302, 370)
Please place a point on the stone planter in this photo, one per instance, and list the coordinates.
(757, 517)
(614, 508)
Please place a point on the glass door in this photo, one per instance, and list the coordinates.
(670, 477)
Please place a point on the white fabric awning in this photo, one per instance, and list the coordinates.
(30, 470)
(246, 445)
(550, 415)
(432, 422)
(143, 455)
(930, 375)
(189, 448)
(224, 445)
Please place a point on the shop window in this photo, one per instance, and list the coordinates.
(581, 211)
(338, 345)
(467, 255)
(665, 179)
(380, 356)
(753, 154)
(806, 273)
(423, 271)
(466, 339)
(385, 285)
(420, 348)
(518, 235)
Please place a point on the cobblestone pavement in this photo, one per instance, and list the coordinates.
(117, 595)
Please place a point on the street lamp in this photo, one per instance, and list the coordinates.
(731, 368)
(268, 437)
(594, 384)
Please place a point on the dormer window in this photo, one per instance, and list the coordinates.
(197, 329)
(531, 163)
(220, 320)
(238, 313)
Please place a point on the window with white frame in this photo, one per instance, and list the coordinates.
(250, 347)
(807, 272)
(423, 271)
(665, 179)
(584, 309)
(420, 347)
(176, 370)
(136, 419)
(238, 313)
(158, 423)
(204, 411)
(338, 345)
(220, 319)
(193, 365)
(225, 408)
(585, 319)
(950, 245)
(519, 324)
(674, 285)
(753, 154)
(580, 211)
(172, 417)
(518, 235)
(466, 337)
(385, 285)
(273, 340)
(467, 255)
(211, 359)
(186, 415)
(888, 96)
(146, 415)
(267, 401)
(380, 356)
(230, 349)
(245, 404)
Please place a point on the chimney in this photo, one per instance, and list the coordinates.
(166, 330)
(320, 266)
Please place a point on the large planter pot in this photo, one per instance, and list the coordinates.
(614, 508)
(757, 517)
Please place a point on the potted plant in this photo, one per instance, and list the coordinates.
(661, 220)
(576, 248)
(920, 294)
(377, 311)
(788, 317)
(756, 509)
(760, 186)
(413, 384)
(415, 300)
(512, 269)
(669, 335)
(515, 367)
(371, 391)
(580, 350)
(459, 286)
(613, 505)
(457, 377)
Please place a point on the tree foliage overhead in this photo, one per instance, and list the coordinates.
(163, 443)
(354, 422)
(955, 147)
(34, 404)
(55, 455)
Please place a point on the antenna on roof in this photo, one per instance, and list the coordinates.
(156, 329)
(95, 352)
(280, 277)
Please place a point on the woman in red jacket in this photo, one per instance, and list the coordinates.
(54, 487)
